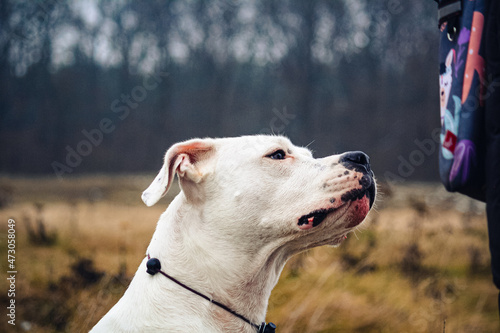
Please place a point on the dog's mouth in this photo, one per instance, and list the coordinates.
(313, 219)
(366, 193)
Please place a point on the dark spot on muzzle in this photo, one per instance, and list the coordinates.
(367, 189)
(359, 162)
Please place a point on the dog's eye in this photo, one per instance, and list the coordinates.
(277, 155)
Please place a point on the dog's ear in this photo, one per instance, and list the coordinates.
(182, 158)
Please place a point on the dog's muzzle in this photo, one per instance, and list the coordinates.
(359, 162)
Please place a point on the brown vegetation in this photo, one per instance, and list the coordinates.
(420, 262)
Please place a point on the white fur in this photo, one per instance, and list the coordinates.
(230, 231)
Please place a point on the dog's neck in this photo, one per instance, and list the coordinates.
(240, 276)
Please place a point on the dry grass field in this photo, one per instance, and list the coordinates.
(420, 263)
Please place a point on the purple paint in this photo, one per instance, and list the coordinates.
(463, 40)
(465, 155)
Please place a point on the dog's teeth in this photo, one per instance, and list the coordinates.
(311, 219)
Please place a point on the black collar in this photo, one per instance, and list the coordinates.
(153, 266)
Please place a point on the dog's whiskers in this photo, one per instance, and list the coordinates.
(354, 232)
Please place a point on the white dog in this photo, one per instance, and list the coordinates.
(246, 205)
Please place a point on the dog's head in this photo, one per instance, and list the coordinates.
(263, 188)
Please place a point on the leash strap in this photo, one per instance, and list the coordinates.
(154, 266)
(448, 9)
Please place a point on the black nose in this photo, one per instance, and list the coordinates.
(356, 160)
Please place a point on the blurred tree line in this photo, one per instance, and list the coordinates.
(107, 86)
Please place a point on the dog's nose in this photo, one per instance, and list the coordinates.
(356, 159)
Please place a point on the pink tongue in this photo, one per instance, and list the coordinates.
(310, 220)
